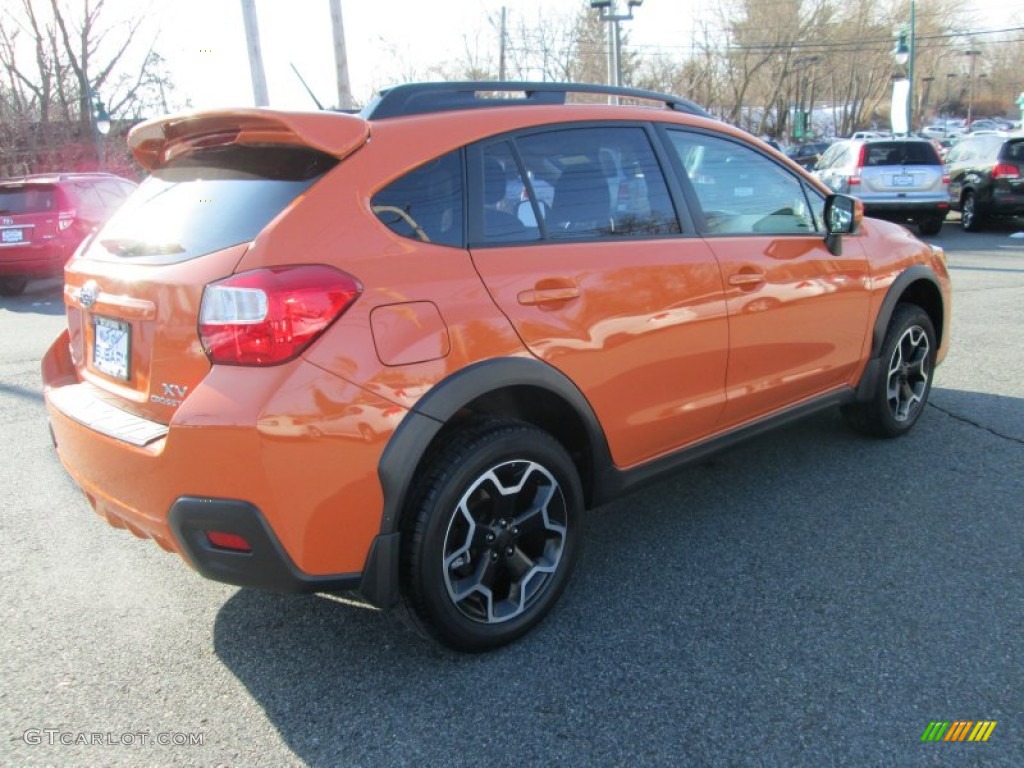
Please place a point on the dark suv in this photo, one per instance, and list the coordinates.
(900, 179)
(44, 218)
(985, 178)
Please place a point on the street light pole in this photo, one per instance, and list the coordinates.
(99, 121)
(607, 11)
(973, 53)
(904, 54)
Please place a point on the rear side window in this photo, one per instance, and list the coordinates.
(209, 200)
(426, 204)
(27, 198)
(600, 182)
(901, 153)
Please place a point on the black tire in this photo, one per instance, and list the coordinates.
(908, 361)
(13, 286)
(492, 535)
(930, 226)
(970, 219)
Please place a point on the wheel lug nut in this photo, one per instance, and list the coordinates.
(489, 537)
(515, 530)
(503, 523)
(494, 556)
(509, 551)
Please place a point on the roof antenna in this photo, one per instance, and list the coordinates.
(308, 89)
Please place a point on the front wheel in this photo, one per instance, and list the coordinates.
(908, 354)
(492, 535)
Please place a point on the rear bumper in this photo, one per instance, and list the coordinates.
(43, 260)
(906, 209)
(301, 488)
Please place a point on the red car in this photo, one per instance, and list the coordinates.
(44, 218)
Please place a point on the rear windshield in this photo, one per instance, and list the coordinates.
(209, 200)
(1014, 151)
(901, 153)
(27, 198)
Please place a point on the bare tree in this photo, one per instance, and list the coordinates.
(58, 59)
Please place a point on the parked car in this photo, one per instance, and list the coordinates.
(901, 179)
(986, 178)
(358, 368)
(807, 154)
(43, 219)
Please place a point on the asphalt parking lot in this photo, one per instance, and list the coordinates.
(811, 598)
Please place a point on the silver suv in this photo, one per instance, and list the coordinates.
(898, 179)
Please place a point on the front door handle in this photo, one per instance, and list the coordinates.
(744, 279)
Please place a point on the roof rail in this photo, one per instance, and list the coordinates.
(422, 98)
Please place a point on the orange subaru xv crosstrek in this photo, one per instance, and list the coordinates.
(401, 352)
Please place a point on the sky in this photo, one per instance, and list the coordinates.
(389, 41)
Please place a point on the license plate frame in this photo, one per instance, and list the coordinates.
(12, 236)
(903, 180)
(111, 347)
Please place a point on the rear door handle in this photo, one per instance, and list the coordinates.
(553, 291)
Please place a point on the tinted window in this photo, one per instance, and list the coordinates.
(507, 203)
(901, 153)
(27, 198)
(1014, 151)
(209, 200)
(741, 191)
(425, 204)
(597, 182)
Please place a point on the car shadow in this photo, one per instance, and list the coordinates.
(41, 297)
(793, 577)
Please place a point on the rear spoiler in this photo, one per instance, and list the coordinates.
(155, 142)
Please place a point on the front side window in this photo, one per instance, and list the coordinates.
(425, 204)
(742, 192)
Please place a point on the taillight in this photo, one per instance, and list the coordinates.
(269, 316)
(861, 159)
(65, 219)
(1005, 171)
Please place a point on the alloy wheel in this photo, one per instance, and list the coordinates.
(504, 542)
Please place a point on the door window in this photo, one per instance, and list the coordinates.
(583, 183)
(740, 191)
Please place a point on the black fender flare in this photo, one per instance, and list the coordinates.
(866, 387)
(421, 425)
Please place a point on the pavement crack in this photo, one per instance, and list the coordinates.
(965, 420)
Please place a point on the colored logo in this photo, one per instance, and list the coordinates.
(958, 730)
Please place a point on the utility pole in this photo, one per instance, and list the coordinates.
(501, 44)
(252, 37)
(340, 57)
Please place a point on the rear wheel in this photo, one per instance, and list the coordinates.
(492, 535)
(908, 354)
(12, 286)
(969, 218)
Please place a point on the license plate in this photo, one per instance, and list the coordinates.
(111, 349)
(12, 236)
(903, 180)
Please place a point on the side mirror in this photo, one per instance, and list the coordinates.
(843, 215)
